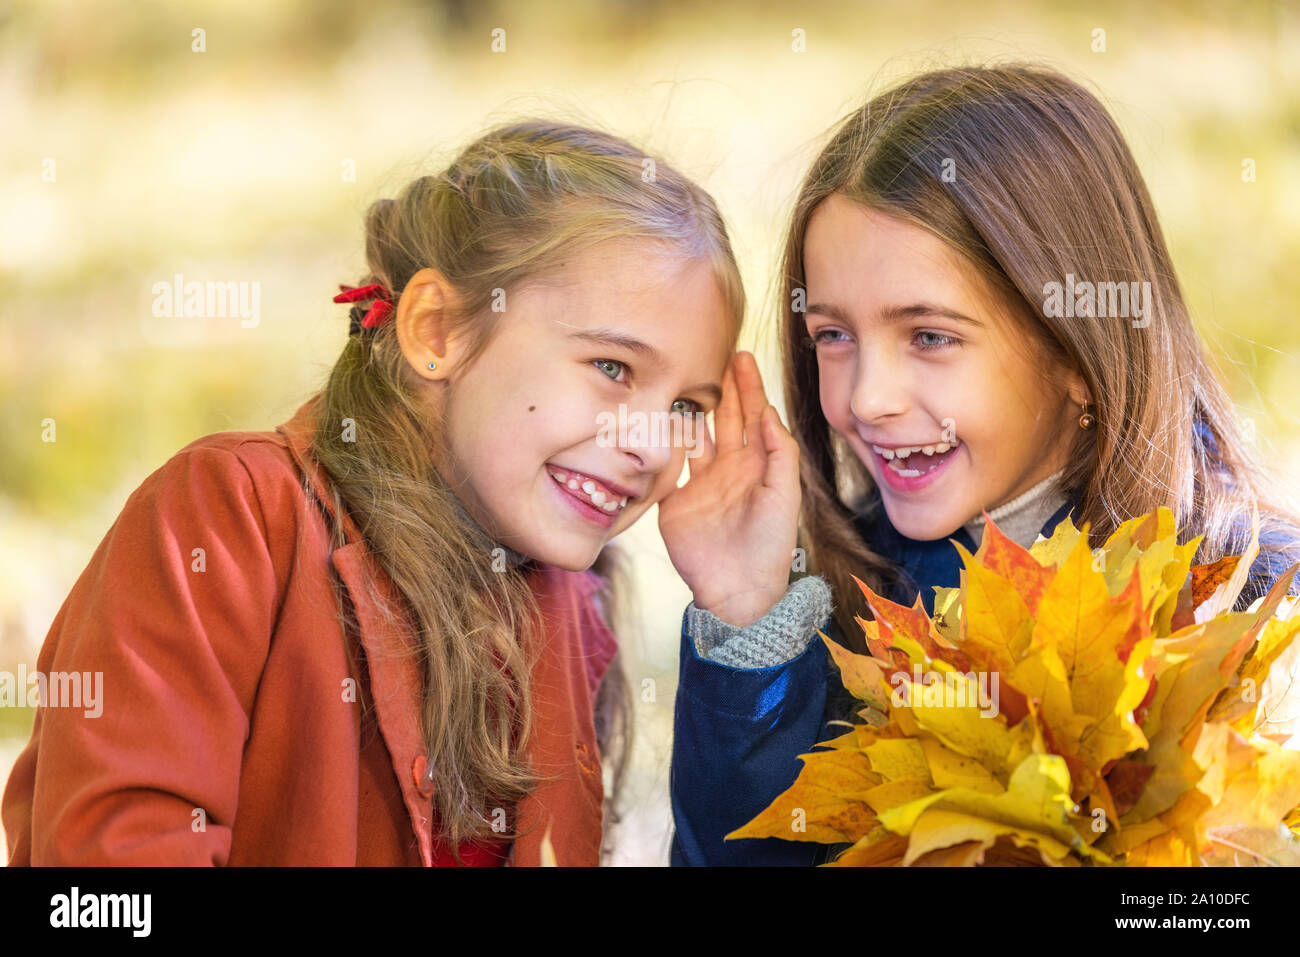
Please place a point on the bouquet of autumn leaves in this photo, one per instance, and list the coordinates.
(1136, 719)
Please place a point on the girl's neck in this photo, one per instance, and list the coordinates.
(512, 558)
(1022, 518)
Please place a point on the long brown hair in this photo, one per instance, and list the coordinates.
(1041, 185)
(510, 207)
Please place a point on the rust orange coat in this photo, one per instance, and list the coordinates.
(226, 734)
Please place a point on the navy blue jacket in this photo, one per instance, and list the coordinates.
(738, 732)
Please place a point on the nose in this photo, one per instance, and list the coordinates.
(651, 439)
(648, 457)
(880, 388)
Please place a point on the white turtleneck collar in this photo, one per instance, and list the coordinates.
(1022, 518)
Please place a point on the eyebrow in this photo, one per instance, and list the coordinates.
(893, 314)
(612, 337)
(621, 340)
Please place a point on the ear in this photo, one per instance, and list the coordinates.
(1077, 389)
(425, 316)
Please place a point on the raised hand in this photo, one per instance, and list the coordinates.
(731, 529)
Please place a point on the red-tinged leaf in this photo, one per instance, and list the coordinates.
(900, 662)
(1184, 610)
(1101, 797)
(1006, 853)
(1272, 601)
(1207, 578)
(1140, 627)
(1004, 557)
(1225, 596)
(878, 646)
(1140, 712)
(1126, 781)
(938, 646)
(965, 854)
(1011, 703)
(895, 619)
(1083, 778)
(890, 660)
(1044, 729)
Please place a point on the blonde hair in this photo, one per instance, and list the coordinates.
(508, 209)
(1045, 186)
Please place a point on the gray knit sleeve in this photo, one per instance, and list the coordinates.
(779, 636)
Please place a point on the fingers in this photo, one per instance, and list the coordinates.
(738, 419)
(782, 472)
(753, 400)
(700, 457)
(727, 419)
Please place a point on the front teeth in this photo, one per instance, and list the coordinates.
(598, 498)
(903, 451)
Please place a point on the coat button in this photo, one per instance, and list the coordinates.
(422, 772)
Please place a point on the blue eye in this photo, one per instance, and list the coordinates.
(614, 369)
(820, 336)
(604, 366)
(937, 341)
(692, 407)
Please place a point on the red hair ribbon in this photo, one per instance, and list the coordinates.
(379, 310)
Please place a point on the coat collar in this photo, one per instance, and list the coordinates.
(298, 433)
(925, 565)
(394, 673)
(568, 804)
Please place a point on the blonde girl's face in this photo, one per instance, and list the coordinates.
(625, 333)
(913, 352)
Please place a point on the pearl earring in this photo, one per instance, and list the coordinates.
(1087, 420)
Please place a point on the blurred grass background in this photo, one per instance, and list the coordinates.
(227, 165)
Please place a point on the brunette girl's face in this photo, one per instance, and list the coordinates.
(929, 381)
(626, 332)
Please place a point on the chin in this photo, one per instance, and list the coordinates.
(921, 527)
(576, 557)
(571, 564)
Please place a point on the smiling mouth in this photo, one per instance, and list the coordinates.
(915, 460)
(588, 489)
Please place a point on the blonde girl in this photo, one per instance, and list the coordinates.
(372, 636)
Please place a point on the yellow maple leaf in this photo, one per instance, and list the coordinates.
(995, 621)
(1124, 683)
(1032, 810)
(861, 675)
(824, 804)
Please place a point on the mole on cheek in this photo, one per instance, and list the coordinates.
(531, 407)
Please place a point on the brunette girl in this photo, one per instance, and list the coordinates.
(930, 374)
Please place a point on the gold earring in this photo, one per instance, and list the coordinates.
(1087, 420)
